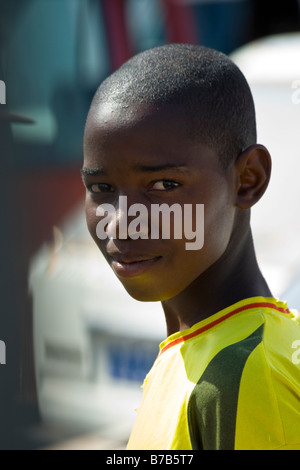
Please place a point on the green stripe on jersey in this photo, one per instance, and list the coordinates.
(213, 402)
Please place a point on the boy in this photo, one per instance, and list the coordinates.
(175, 127)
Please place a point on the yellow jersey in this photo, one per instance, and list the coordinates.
(231, 381)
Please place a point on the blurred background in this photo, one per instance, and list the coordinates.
(77, 346)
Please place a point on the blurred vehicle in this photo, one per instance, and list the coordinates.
(94, 344)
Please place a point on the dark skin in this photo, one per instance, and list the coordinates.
(149, 157)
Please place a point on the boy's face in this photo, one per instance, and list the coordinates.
(148, 157)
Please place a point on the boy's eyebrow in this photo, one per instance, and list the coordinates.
(92, 171)
(139, 168)
(155, 168)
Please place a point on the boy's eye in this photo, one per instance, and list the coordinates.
(164, 185)
(100, 188)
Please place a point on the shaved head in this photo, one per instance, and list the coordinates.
(204, 86)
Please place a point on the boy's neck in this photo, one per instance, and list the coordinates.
(234, 277)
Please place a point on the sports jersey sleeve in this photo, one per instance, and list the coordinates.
(268, 414)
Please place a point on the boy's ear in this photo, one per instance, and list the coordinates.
(253, 171)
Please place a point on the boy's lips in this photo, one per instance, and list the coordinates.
(131, 264)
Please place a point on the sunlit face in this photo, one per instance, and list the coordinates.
(148, 157)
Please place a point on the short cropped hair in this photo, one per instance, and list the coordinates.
(210, 90)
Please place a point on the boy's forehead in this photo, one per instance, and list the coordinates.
(114, 112)
(134, 126)
(143, 135)
(115, 115)
(141, 128)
